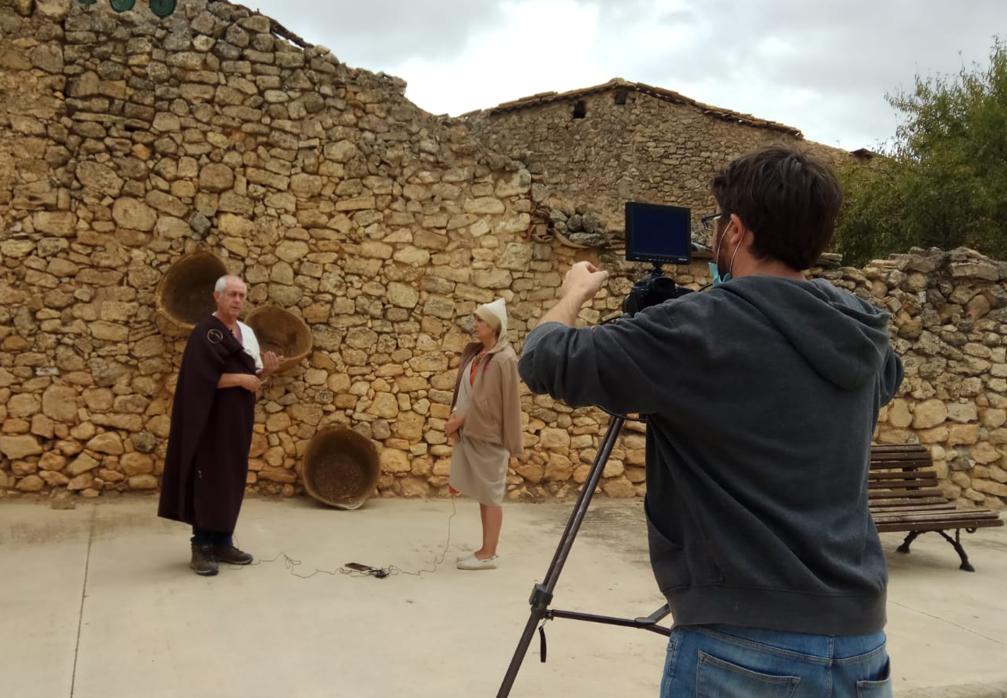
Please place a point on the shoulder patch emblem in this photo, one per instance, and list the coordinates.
(214, 335)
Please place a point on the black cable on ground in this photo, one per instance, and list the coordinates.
(293, 564)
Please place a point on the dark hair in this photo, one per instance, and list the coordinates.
(788, 199)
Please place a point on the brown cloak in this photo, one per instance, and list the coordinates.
(211, 432)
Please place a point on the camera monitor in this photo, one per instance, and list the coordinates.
(658, 234)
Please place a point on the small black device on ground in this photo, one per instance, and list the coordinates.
(367, 569)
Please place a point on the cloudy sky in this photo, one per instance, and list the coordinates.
(823, 67)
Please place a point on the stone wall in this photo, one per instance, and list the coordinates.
(949, 315)
(127, 142)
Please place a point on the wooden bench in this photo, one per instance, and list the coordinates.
(904, 496)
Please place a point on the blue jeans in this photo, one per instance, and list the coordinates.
(722, 661)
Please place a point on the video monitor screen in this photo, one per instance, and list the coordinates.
(658, 233)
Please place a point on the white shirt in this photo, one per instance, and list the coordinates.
(250, 343)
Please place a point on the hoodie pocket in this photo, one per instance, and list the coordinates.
(668, 561)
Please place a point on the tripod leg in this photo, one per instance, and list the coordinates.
(541, 595)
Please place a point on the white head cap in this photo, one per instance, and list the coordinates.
(495, 315)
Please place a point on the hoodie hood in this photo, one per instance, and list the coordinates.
(845, 339)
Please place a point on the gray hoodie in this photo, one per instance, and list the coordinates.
(762, 396)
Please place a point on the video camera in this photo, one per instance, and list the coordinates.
(660, 235)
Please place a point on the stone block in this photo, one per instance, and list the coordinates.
(17, 447)
(106, 442)
(492, 278)
(291, 251)
(108, 331)
(63, 223)
(31, 483)
(409, 425)
(985, 453)
(899, 415)
(216, 177)
(393, 460)
(143, 482)
(402, 295)
(99, 177)
(963, 412)
(516, 256)
(963, 434)
(278, 422)
(554, 439)
(929, 413)
(385, 405)
(81, 464)
(486, 205)
(134, 214)
(23, 405)
(412, 256)
(619, 488)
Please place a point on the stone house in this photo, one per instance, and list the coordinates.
(624, 141)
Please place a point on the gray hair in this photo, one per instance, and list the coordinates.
(221, 284)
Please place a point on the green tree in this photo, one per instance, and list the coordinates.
(943, 180)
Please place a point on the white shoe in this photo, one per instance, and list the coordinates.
(471, 562)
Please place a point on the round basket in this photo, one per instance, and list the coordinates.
(185, 292)
(281, 332)
(340, 468)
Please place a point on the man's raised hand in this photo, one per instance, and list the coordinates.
(583, 281)
(271, 362)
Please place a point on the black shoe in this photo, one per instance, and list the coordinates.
(231, 555)
(203, 562)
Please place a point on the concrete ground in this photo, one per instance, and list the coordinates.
(98, 602)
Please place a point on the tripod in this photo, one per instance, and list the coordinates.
(541, 595)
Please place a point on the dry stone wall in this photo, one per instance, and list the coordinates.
(127, 142)
(949, 312)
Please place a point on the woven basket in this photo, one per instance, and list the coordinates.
(282, 332)
(185, 293)
(340, 468)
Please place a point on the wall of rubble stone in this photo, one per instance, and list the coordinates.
(949, 315)
(127, 142)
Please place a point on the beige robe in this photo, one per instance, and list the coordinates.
(478, 468)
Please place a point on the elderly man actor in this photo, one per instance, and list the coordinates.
(762, 395)
(211, 429)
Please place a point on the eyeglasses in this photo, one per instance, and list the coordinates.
(708, 222)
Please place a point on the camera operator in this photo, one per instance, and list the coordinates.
(761, 395)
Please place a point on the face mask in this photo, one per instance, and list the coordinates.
(715, 275)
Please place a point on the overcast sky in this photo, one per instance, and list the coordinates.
(823, 67)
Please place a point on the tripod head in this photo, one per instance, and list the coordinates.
(654, 288)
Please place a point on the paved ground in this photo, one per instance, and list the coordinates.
(98, 602)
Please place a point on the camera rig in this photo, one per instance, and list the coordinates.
(659, 235)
